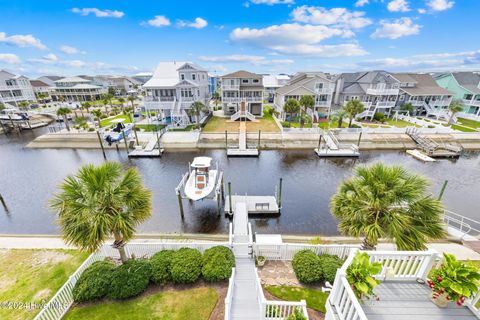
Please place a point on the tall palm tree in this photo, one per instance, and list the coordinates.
(122, 101)
(97, 114)
(132, 100)
(99, 202)
(105, 103)
(353, 107)
(388, 202)
(291, 107)
(86, 106)
(306, 102)
(455, 107)
(63, 112)
(196, 109)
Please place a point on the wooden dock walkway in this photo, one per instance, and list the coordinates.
(332, 148)
(242, 150)
(254, 204)
(151, 149)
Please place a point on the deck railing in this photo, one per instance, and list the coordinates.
(286, 251)
(473, 304)
(229, 296)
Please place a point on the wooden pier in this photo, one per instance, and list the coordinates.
(253, 204)
(243, 150)
(151, 150)
(432, 148)
(332, 148)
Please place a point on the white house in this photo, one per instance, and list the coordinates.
(271, 82)
(15, 88)
(77, 89)
(173, 88)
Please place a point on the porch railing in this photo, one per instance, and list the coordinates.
(286, 251)
(229, 296)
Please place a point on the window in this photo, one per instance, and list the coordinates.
(244, 80)
(182, 76)
(193, 76)
(255, 81)
(318, 86)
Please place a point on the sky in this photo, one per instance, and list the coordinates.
(264, 36)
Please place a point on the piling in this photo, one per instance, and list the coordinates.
(158, 140)
(230, 196)
(180, 203)
(125, 140)
(280, 193)
(222, 189)
(101, 144)
(359, 139)
(4, 204)
(259, 136)
(440, 196)
(319, 142)
(226, 140)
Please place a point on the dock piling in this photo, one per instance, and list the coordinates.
(259, 136)
(359, 139)
(4, 204)
(226, 140)
(280, 193)
(319, 142)
(230, 197)
(125, 140)
(180, 203)
(440, 196)
(101, 145)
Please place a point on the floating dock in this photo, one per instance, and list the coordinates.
(332, 148)
(253, 204)
(242, 150)
(417, 154)
(152, 149)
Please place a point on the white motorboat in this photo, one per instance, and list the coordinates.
(201, 180)
(117, 133)
(13, 115)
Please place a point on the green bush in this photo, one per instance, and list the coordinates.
(329, 265)
(307, 267)
(160, 263)
(94, 282)
(186, 265)
(379, 117)
(217, 263)
(297, 315)
(91, 129)
(130, 279)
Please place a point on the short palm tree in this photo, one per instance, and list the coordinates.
(63, 112)
(122, 101)
(86, 106)
(291, 107)
(196, 109)
(23, 105)
(454, 108)
(353, 107)
(100, 202)
(132, 100)
(388, 202)
(97, 114)
(340, 115)
(306, 102)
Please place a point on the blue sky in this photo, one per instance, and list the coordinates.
(269, 36)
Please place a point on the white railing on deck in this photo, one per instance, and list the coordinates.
(472, 304)
(229, 296)
(230, 234)
(286, 251)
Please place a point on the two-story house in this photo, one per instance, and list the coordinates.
(317, 84)
(465, 87)
(42, 90)
(242, 94)
(76, 89)
(173, 88)
(271, 83)
(15, 89)
(425, 95)
(377, 90)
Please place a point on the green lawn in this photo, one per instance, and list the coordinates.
(315, 299)
(462, 128)
(220, 125)
(197, 303)
(108, 121)
(34, 276)
(469, 123)
(150, 127)
(187, 128)
(400, 123)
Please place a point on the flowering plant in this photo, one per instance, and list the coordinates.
(454, 280)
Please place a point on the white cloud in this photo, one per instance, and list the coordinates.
(70, 50)
(158, 21)
(199, 23)
(440, 5)
(398, 6)
(22, 40)
(9, 58)
(272, 2)
(51, 57)
(422, 11)
(325, 51)
(99, 13)
(361, 3)
(241, 58)
(396, 29)
(341, 17)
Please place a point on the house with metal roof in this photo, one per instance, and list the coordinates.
(76, 89)
(173, 88)
(465, 87)
(14, 89)
(317, 84)
(242, 94)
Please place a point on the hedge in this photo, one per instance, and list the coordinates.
(307, 266)
(130, 279)
(329, 265)
(161, 264)
(94, 282)
(186, 265)
(217, 263)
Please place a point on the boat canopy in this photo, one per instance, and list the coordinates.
(201, 162)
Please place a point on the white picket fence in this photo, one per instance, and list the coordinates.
(286, 251)
(62, 301)
(229, 296)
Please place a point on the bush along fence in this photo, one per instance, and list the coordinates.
(61, 302)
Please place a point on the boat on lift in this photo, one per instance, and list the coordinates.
(201, 180)
(116, 135)
(13, 115)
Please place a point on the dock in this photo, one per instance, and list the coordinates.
(432, 148)
(332, 148)
(150, 150)
(253, 204)
(243, 150)
(417, 154)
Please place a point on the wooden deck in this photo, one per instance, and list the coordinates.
(410, 301)
(254, 204)
(242, 150)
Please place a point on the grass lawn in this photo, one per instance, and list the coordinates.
(150, 127)
(187, 128)
(108, 121)
(34, 276)
(333, 124)
(189, 304)
(218, 124)
(315, 299)
(462, 128)
(469, 123)
(400, 123)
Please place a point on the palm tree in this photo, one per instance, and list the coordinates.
(2, 106)
(455, 107)
(97, 113)
(132, 100)
(388, 202)
(86, 106)
(408, 107)
(340, 115)
(353, 107)
(23, 105)
(63, 112)
(291, 107)
(306, 102)
(195, 109)
(99, 202)
(122, 101)
(109, 96)
(105, 103)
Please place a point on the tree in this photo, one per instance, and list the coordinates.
(105, 103)
(63, 112)
(111, 91)
(291, 107)
(100, 202)
(122, 101)
(2, 106)
(340, 115)
(195, 109)
(97, 114)
(408, 107)
(306, 102)
(388, 202)
(455, 107)
(216, 97)
(86, 106)
(23, 105)
(132, 100)
(353, 107)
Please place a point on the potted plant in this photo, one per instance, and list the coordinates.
(360, 275)
(260, 261)
(453, 281)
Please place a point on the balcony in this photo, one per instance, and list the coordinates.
(17, 87)
(240, 99)
(385, 104)
(382, 92)
(159, 102)
(474, 103)
(230, 86)
(324, 90)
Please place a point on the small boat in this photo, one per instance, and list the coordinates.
(201, 180)
(13, 115)
(116, 135)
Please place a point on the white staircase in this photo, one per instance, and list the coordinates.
(178, 115)
(437, 113)
(242, 114)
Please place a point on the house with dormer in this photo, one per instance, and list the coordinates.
(173, 88)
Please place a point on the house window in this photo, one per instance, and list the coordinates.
(244, 80)
(318, 86)
(182, 76)
(255, 81)
(193, 76)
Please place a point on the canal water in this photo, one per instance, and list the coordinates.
(29, 178)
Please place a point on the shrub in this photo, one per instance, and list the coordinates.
(217, 263)
(186, 265)
(91, 129)
(94, 282)
(307, 267)
(379, 117)
(297, 315)
(329, 265)
(160, 263)
(112, 113)
(130, 279)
